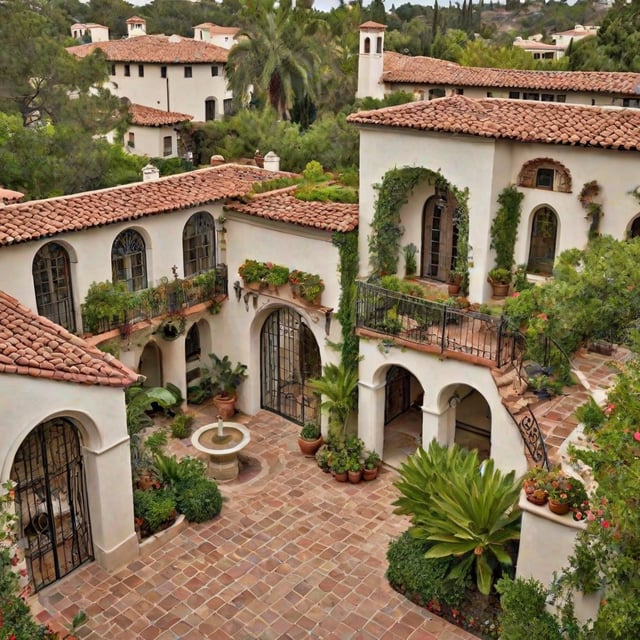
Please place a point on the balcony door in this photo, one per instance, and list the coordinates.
(439, 236)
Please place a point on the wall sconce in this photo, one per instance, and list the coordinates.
(454, 401)
(237, 287)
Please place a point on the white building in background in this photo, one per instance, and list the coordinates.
(540, 50)
(170, 73)
(579, 32)
(90, 32)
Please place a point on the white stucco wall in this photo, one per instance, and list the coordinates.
(149, 141)
(100, 414)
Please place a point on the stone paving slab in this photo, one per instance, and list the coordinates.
(293, 554)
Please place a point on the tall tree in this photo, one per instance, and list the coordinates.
(275, 54)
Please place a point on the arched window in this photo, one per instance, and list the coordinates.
(439, 236)
(542, 250)
(192, 344)
(210, 109)
(379, 44)
(367, 45)
(545, 173)
(129, 260)
(198, 244)
(52, 284)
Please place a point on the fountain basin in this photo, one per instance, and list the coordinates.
(221, 442)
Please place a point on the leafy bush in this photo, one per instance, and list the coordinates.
(524, 615)
(199, 499)
(181, 425)
(591, 415)
(423, 579)
(155, 507)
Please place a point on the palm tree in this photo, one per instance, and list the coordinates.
(274, 55)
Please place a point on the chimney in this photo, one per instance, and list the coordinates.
(272, 162)
(216, 160)
(8, 196)
(150, 173)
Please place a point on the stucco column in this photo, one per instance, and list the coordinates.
(436, 424)
(371, 415)
(173, 363)
(110, 495)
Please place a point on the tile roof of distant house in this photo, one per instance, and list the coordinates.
(45, 218)
(155, 49)
(534, 45)
(592, 31)
(521, 120)
(399, 68)
(150, 117)
(135, 20)
(34, 346)
(372, 25)
(282, 206)
(217, 29)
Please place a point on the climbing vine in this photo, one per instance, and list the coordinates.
(347, 244)
(461, 266)
(504, 228)
(589, 192)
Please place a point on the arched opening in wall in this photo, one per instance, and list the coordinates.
(197, 348)
(129, 260)
(289, 358)
(51, 502)
(210, 109)
(198, 244)
(472, 420)
(403, 397)
(542, 247)
(634, 229)
(150, 365)
(367, 45)
(439, 236)
(52, 284)
(379, 44)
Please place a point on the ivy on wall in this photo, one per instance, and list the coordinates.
(587, 197)
(461, 266)
(504, 228)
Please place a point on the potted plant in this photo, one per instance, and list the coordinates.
(535, 486)
(225, 379)
(354, 469)
(371, 465)
(454, 282)
(172, 326)
(323, 457)
(338, 465)
(310, 439)
(560, 490)
(500, 280)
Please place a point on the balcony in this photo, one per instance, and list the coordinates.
(434, 327)
(123, 309)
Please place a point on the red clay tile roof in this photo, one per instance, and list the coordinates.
(537, 46)
(150, 117)
(284, 207)
(44, 218)
(372, 25)
(423, 70)
(214, 28)
(155, 49)
(34, 346)
(521, 120)
(8, 196)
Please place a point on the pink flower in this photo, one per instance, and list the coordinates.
(590, 516)
(636, 436)
(609, 409)
(515, 294)
(542, 316)
(605, 524)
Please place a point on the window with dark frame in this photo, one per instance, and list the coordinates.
(215, 70)
(163, 71)
(129, 260)
(141, 71)
(544, 178)
(167, 146)
(198, 244)
(127, 70)
(188, 72)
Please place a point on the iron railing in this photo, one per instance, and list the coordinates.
(533, 439)
(165, 298)
(447, 329)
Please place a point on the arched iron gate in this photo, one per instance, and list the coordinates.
(289, 358)
(51, 502)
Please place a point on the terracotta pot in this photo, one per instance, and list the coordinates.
(559, 508)
(536, 499)
(370, 474)
(453, 288)
(340, 477)
(308, 448)
(354, 476)
(226, 406)
(500, 290)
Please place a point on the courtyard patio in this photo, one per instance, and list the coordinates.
(293, 554)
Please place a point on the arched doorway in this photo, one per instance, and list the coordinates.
(403, 399)
(51, 502)
(542, 250)
(150, 365)
(634, 230)
(289, 358)
(472, 420)
(439, 236)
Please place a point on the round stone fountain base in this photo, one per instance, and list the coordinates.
(222, 444)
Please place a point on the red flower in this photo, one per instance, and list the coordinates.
(636, 436)
(606, 524)
(542, 316)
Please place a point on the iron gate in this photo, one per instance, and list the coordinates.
(51, 502)
(289, 358)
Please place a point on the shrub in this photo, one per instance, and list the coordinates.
(423, 579)
(199, 499)
(156, 507)
(591, 415)
(181, 425)
(524, 615)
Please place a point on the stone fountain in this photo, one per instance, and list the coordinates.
(222, 441)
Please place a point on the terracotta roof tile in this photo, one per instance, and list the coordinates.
(150, 117)
(41, 218)
(217, 29)
(34, 346)
(522, 120)
(370, 24)
(537, 46)
(423, 70)
(284, 207)
(155, 48)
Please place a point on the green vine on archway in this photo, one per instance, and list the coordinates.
(504, 228)
(589, 192)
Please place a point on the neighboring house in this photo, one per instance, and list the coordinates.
(540, 50)
(153, 132)
(170, 73)
(381, 73)
(222, 36)
(565, 38)
(65, 443)
(90, 32)
(145, 235)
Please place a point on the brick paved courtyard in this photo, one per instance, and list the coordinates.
(293, 554)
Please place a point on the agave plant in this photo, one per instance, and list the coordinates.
(462, 509)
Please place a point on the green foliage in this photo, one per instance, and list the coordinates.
(524, 615)
(426, 579)
(181, 425)
(520, 282)
(372, 459)
(591, 415)
(461, 267)
(310, 431)
(277, 275)
(111, 347)
(463, 512)
(105, 301)
(498, 275)
(226, 377)
(139, 401)
(308, 285)
(410, 263)
(199, 499)
(156, 508)
(276, 183)
(408, 288)
(504, 227)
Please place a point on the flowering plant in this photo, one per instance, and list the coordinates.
(309, 285)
